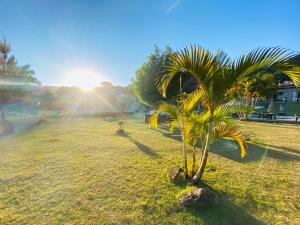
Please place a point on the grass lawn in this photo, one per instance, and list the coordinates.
(81, 172)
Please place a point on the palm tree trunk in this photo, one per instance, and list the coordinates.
(180, 84)
(203, 160)
(194, 160)
(185, 168)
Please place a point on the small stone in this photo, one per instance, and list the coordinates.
(199, 197)
(174, 173)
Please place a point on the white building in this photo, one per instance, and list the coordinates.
(288, 92)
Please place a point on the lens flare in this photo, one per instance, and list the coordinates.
(82, 77)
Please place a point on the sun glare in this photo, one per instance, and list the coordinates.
(84, 78)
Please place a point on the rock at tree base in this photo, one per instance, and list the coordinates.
(175, 173)
(199, 197)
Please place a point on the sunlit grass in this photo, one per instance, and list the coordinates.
(81, 172)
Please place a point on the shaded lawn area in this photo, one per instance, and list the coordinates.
(82, 172)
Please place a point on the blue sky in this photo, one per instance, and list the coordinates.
(112, 38)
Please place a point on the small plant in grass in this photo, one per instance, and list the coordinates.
(121, 129)
(121, 125)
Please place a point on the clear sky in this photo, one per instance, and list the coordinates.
(109, 39)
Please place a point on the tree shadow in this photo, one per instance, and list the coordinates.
(277, 147)
(176, 136)
(24, 126)
(255, 152)
(144, 148)
(224, 212)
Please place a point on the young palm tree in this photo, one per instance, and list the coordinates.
(216, 74)
(178, 117)
(194, 132)
(223, 127)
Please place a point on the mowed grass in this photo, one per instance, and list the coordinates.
(81, 172)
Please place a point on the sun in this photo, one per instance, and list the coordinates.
(81, 77)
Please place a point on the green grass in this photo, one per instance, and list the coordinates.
(81, 172)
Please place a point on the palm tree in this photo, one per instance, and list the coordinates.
(178, 119)
(216, 75)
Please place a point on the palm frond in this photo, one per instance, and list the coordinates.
(163, 107)
(195, 126)
(153, 120)
(291, 70)
(233, 132)
(172, 125)
(195, 98)
(266, 59)
(195, 61)
(231, 108)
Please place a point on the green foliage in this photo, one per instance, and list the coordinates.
(106, 98)
(144, 83)
(16, 82)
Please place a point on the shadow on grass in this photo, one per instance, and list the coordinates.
(225, 212)
(144, 148)
(24, 126)
(283, 148)
(255, 152)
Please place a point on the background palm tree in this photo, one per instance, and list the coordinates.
(217, 74)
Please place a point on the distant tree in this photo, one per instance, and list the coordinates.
(124, 102)
(47, 100)
(111, 96)
(146, 76)
(17, 82)
(106, 84)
